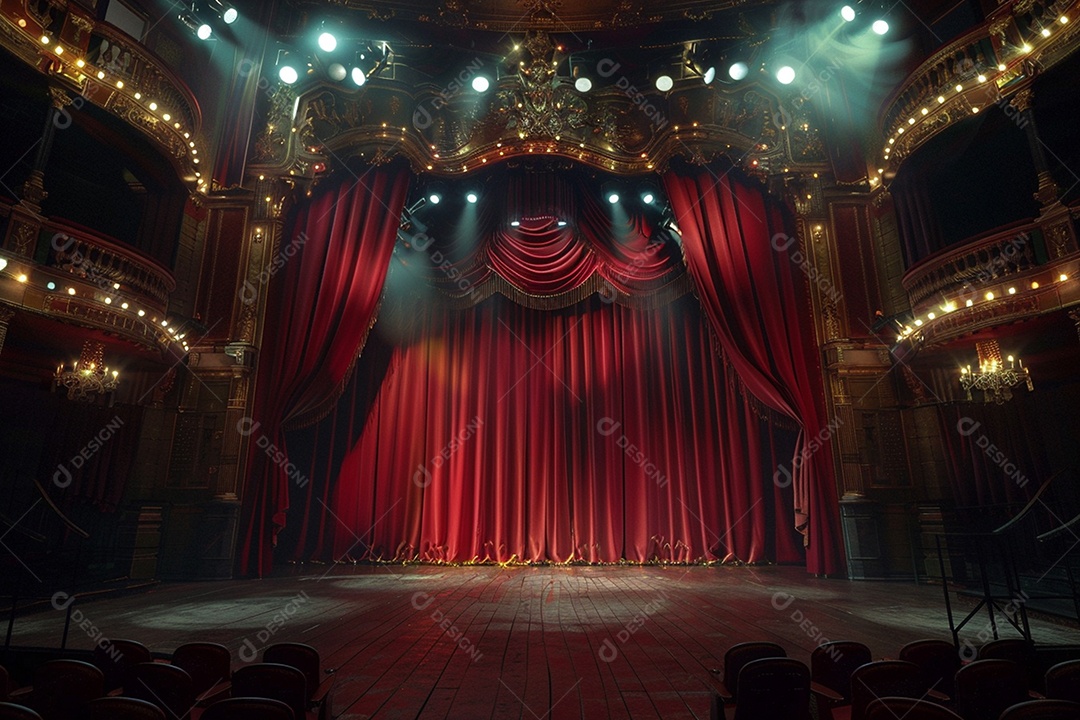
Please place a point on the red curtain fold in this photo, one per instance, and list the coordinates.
(320, 308)
(995, 454)
(597, 433)
(564, 240)
(734, 239)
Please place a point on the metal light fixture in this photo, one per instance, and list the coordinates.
(994, 377)
(88, 377)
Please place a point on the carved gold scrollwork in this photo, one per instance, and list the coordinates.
(1022, 99)
(59, 98)
(1058, 237)
(1074, 315)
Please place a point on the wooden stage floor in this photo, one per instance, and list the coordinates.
(522, 642)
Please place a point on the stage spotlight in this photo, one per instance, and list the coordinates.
(481, 84)
(358, 77)
(583, 84)
(710, 75)
(738, 71)
(664, 83)
(201, 29)
(327, 42)
(435, 192)
(288, 74)
(227, 11)
(287, 68)
(472, 197)
(648, 198)
(848, 13)
(785, 75)
(613, 197)
(337, 72)
(880, 27)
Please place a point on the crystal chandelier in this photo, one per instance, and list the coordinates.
(994, 377)
(88, 377)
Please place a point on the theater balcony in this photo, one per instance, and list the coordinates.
(976, 155)
(90, 62)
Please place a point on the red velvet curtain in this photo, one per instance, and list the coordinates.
(998, 454)
(320, 308)
(500, 433)
(547, 240)
(754, 298)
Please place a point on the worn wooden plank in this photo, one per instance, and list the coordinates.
(542, 635)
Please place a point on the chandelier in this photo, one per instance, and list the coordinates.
(994, 377)
(88, 377)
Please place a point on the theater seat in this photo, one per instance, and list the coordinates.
(891, 708)
(248, 708)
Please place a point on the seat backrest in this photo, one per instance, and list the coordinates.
(939, 660)
(62, 687)
(116, 659)
(11, 711)
(207, 663)
(773, 688)
(5, 683)
(166, 686)
(985, 688)
(884, 678)
(740, 654)
(891, 708)
(1043, 710)
(274, 681)
(300, 656)
(123, 708)
(1063, 681)
(832, 664)
(1021, 652)
(248, 708)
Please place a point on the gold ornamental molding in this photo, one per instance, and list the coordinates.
(1014, 298)
(993, 64)
(621, 129)
(554, 15)
(90, 61)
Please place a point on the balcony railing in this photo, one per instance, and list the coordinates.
(94, 62)
(114, 275)
(983, 67)
(102, 261)
(979, 261)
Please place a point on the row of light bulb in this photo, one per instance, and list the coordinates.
(52, 286)
(1025, 48)
(81, 64)
(952, 306)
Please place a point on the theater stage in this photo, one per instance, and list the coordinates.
(522, 642)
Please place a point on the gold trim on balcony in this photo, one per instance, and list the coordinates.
(962, 78)
(130, 82)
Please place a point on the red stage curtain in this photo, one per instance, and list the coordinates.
(320, 308)
(540, 262)
(502, 433)
(998, 454)
(754, 298)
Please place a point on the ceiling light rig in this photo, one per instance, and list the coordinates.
(335, 58)
(202, 17)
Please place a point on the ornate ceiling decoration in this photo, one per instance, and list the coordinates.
(552, 15)
(624, 125)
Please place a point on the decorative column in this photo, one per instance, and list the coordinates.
(6, 313)
(1053, 216)
(1074, 315)
(26, 216)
